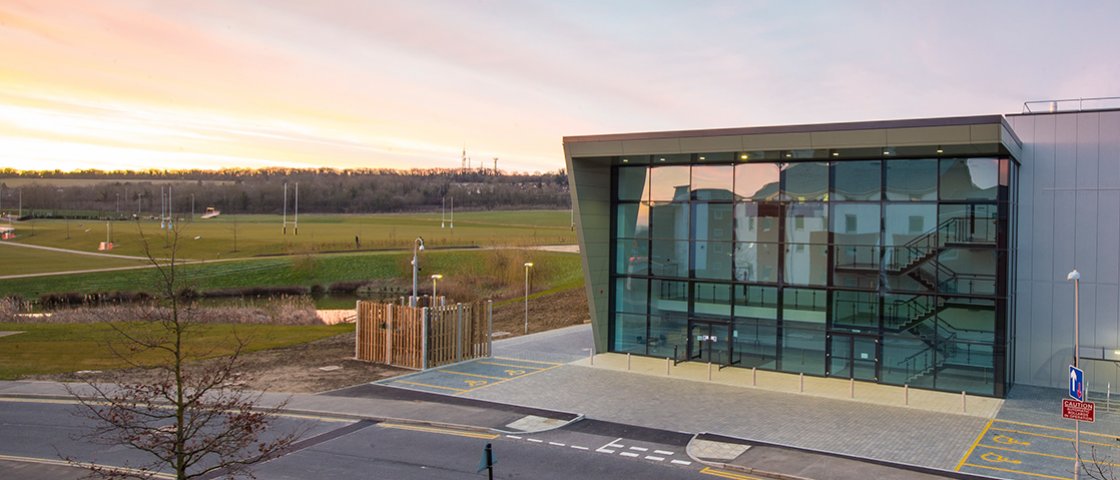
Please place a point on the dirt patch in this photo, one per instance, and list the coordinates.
(548, 312)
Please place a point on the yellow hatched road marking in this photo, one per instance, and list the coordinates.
(1051, 455)
(508, 379)
(1008, 470)
(431, 386)
(974, 444)
(726, 474)
(1043, 435)
(512, 366)
(471, 375)
(444, 431)
(1070, 430)
(530, 361)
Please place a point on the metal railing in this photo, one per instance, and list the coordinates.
(1071, 104)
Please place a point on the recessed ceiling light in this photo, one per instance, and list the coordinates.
(626, 160)
(744, 156)
(836, 154)
(940, 151)
(661, 159)
(886, 152)
(702, 158)
(788, 155)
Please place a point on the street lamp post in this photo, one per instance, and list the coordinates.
(528, 265)
(1075, 276)
(434, 278)
(417, 247)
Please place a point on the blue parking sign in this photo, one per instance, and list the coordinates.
(1076, 383)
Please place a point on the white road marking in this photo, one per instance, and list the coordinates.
(662, 452)
(535, 440)
(609, 444)
(629, 454)
(681, 462)
(603, 450)
(651, 457)
(577, 447)
(513, 436)
(557, 444)
(640, 449)
(617, 445)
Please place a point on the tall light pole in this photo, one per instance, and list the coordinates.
(417, 247)
(1075, 276)
(434, 278)
(528, 265)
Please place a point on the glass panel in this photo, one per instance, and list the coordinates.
(806, 182)
(840, 359)
(757, 222)
(806, 264)
(669, 184)
(972, 224)
(757, 181)
(855, 311)
(969, 179)
(711, 299)
(858, 180)
(807, 223)
(805, 305)
(912, 180)
(630, 295)
(855, 232)
(670, 220)
(903, 313)
(802, 348)
(864, 358)
(670, 258)
(632, 256)
(629, 333)
(970, 320)
(668, 299)
(712, 182)
(756, 262)
(713, 221)
(966, 367)
(910, 236)
(632, 220)
(907, 360)
(713, 260)
(756, 343)
(667, 336)
(633, 183)
(967, 270)
(756, 302)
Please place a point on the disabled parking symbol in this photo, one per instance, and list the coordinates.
(994, 457)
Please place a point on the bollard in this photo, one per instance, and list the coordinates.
(627, 361)
(1108, 398)
(801, 378)
(754, 376)
(851, 388)
(964, 402)
(592, 355)
(668, 364)
(906, 394)
(709, 371)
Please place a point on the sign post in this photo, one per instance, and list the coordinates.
(1076, 375)
(487, 461)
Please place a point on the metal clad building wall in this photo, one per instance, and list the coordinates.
(1069, 217)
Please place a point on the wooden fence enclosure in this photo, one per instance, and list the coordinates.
(422, 337)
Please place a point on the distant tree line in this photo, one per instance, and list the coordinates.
(262, 190)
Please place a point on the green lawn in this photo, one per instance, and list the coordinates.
(552, 271)
(60, 348)
(262, 234)
(16, 260)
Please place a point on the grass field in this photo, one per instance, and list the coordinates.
(16, 260)
(58, 348)
(462, 267)
(262, 235)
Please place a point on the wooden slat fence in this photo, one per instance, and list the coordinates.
(420, 338)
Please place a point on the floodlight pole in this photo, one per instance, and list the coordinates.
(284, 219)
(434, 278)
(417, 247)
(297, 209)
(1076, 277)
(528, 265)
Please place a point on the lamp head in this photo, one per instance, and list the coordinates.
(1074, 276)
(528, 264)
(437, 276)
(420, 240)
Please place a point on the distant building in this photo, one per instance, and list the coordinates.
(925, 252)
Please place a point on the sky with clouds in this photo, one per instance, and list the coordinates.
(352, 83)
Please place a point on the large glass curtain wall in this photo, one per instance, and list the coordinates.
(892, 271)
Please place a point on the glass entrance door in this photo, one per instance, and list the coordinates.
(854, 356)
(709, 341)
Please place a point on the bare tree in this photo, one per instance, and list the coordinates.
(1099, 466)
(193, 418)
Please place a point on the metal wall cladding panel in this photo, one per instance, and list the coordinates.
(1024, 334)
(652, 146)
(1108, 237)
(1085, 254)
(1107, 309)
(1065, 233)
(1061, 332)
(1088, 149)
(1090, 322)
(777, 141)
(946, 135)
(985, 133)
(1042, 237)
(1039, 318)
(587, 149)
(1108, 166)
(724, 143)
(1065, 151)
(850, 138)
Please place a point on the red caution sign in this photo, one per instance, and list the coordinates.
(1075, 410)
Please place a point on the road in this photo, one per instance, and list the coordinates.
(586, 449)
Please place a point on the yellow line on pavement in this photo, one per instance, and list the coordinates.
(508, 379)
(472, 375)
(530, 361)
(430, 386)
(1055, 437)
(63, 463)
(512, 366)
(974, 444)
(1051, 455)
(1070, 430)
(443, 431)
(1008, 470)
(726, 474)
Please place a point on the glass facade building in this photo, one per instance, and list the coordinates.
(881, 264)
